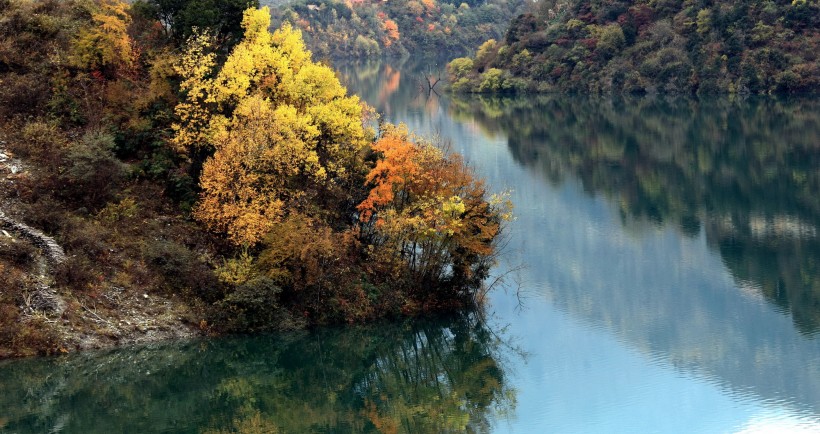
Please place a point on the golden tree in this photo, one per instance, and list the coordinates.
(105, 44)
(285, 136)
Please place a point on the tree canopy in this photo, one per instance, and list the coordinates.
(181, 17)
(283, 130)
(293, 173)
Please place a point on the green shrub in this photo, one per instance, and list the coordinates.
(253, 306)
(93, 173)
(42, 142)
(459, 68)
(461, 85)
(114, 212)
(366, 47)
(521, 62)
(485, 53)
(611, 40)
(491, 80)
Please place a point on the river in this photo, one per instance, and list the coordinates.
(662, 275)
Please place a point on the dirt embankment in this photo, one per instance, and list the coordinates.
(74, 320)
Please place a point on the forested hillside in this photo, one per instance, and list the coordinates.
(673, 46)
(365, 28)
(165, 172)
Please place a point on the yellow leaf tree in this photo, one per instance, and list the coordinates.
(105, 45)
(285, 135)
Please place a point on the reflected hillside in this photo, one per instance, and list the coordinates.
(395, 89)
(426, 377)
(745, 172)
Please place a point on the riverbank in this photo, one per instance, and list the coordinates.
(41, 315)
(190, 193)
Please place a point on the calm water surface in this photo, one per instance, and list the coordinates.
(663, 275)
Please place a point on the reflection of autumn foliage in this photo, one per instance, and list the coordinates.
(423, 379)
(248, 421)
(454, 398)
(742, 172)
(392, 78)
(448, 375)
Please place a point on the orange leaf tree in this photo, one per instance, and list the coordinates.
(391, 30)
(427, 215)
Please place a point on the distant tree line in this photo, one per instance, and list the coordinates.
(670, 46)
(358, 29)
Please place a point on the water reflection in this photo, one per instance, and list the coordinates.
(744, 171)
(429, 376)
(660, 236)
(397, 89)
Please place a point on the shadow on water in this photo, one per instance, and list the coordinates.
(428, 376)
(745, 172)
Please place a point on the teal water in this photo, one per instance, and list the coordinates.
(662, 275)
(411, 376)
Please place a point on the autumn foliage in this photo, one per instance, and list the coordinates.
(368, 29)
(225, 178)
(426, 215)
(284, 134)
(106, 44)
(349, 228)
(391, 30)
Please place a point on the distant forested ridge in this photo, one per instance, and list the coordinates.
(364, 28)
(667, 46)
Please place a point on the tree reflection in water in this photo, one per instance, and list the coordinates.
(427, 376)
(744, 171)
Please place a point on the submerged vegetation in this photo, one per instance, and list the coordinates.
(212, 178)
(666, 46)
